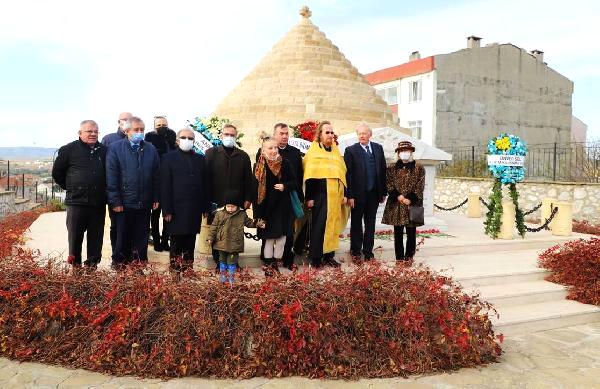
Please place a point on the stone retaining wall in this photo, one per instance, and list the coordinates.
(450, 191)
(7, 203)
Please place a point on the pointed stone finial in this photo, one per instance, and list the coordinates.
(305, 12)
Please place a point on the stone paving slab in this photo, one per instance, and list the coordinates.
(561, 358)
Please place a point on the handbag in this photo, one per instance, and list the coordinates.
(416, 215)
(296, 205)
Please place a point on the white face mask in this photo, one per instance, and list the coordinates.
(186, 144)
(405, 155)
(228, 141)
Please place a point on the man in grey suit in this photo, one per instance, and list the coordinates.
(365, 177)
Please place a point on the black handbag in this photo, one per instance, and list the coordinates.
(416, 215)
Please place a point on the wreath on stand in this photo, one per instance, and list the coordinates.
(506, 155)
(210, 129)
(308, 130)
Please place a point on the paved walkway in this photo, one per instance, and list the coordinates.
(563, 358)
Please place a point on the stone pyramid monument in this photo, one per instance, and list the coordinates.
(303, 77)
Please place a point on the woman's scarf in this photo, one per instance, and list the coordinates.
(261, 174)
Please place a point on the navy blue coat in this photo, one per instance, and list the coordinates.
(132, 178)
(356, 171)
(113, 137)
(184, 191)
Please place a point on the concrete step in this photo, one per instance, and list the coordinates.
(520, 293)
(501, 279)
(527, 318)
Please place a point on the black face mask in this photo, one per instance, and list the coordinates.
(161, 129)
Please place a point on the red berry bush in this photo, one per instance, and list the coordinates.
(577, 265)
(585, 227)
(373, 322)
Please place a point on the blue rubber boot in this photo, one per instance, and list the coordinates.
(222, 272)
(231, 273)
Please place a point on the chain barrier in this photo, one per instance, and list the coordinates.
(451, 208)
(532, 210)
(546, 223)
(250, 236)
(484, 202)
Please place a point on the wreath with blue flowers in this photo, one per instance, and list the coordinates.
(210, 129)
(505, 144)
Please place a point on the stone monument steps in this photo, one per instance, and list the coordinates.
(519, 293)
(527, 318)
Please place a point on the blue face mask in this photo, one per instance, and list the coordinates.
(136, 138)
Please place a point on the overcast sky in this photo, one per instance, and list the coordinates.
(65, 61)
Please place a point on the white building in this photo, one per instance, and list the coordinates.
(468, 96)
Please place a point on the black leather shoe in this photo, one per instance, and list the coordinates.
(331, 262)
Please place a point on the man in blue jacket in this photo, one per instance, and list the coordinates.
(107, 140)
(366, 180)
(132, 186)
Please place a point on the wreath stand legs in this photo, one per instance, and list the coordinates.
(504, 215)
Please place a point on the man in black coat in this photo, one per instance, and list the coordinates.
(229, 170)
(163, 139)
(184, 198)
(365, 177)
(79, 169)
(281, 133)
(230, 173)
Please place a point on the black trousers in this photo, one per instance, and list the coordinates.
(300, 242)
(82, 219)
(157, 237)
(411, 241)
(365, 210)
(132, 236)
(182, 251)
(113, 228)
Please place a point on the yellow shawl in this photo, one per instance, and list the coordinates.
(318, 164)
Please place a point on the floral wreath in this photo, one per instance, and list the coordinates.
(505, 144)
(308, 130)
(210, 129)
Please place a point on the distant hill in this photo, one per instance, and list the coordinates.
(26, 152)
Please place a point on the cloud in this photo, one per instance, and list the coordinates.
(181, 58)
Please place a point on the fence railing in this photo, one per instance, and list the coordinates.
(576, 162)
(34, 189)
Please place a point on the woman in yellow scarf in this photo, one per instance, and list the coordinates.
(325, 185)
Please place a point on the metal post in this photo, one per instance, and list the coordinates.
(46, 196)
(554, 164)
(8, 175)
(23, 185)
(36, 189)
(472, 161)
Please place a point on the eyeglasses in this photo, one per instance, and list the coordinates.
(329, 132)
(91, 132)
(186, 137)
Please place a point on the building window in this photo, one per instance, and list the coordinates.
(389, 95)
(414, 90)
(415, 128)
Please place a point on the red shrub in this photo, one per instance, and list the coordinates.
(585, 227)
(577, 265)
(374, 322)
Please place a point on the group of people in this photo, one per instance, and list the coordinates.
(141, 176)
